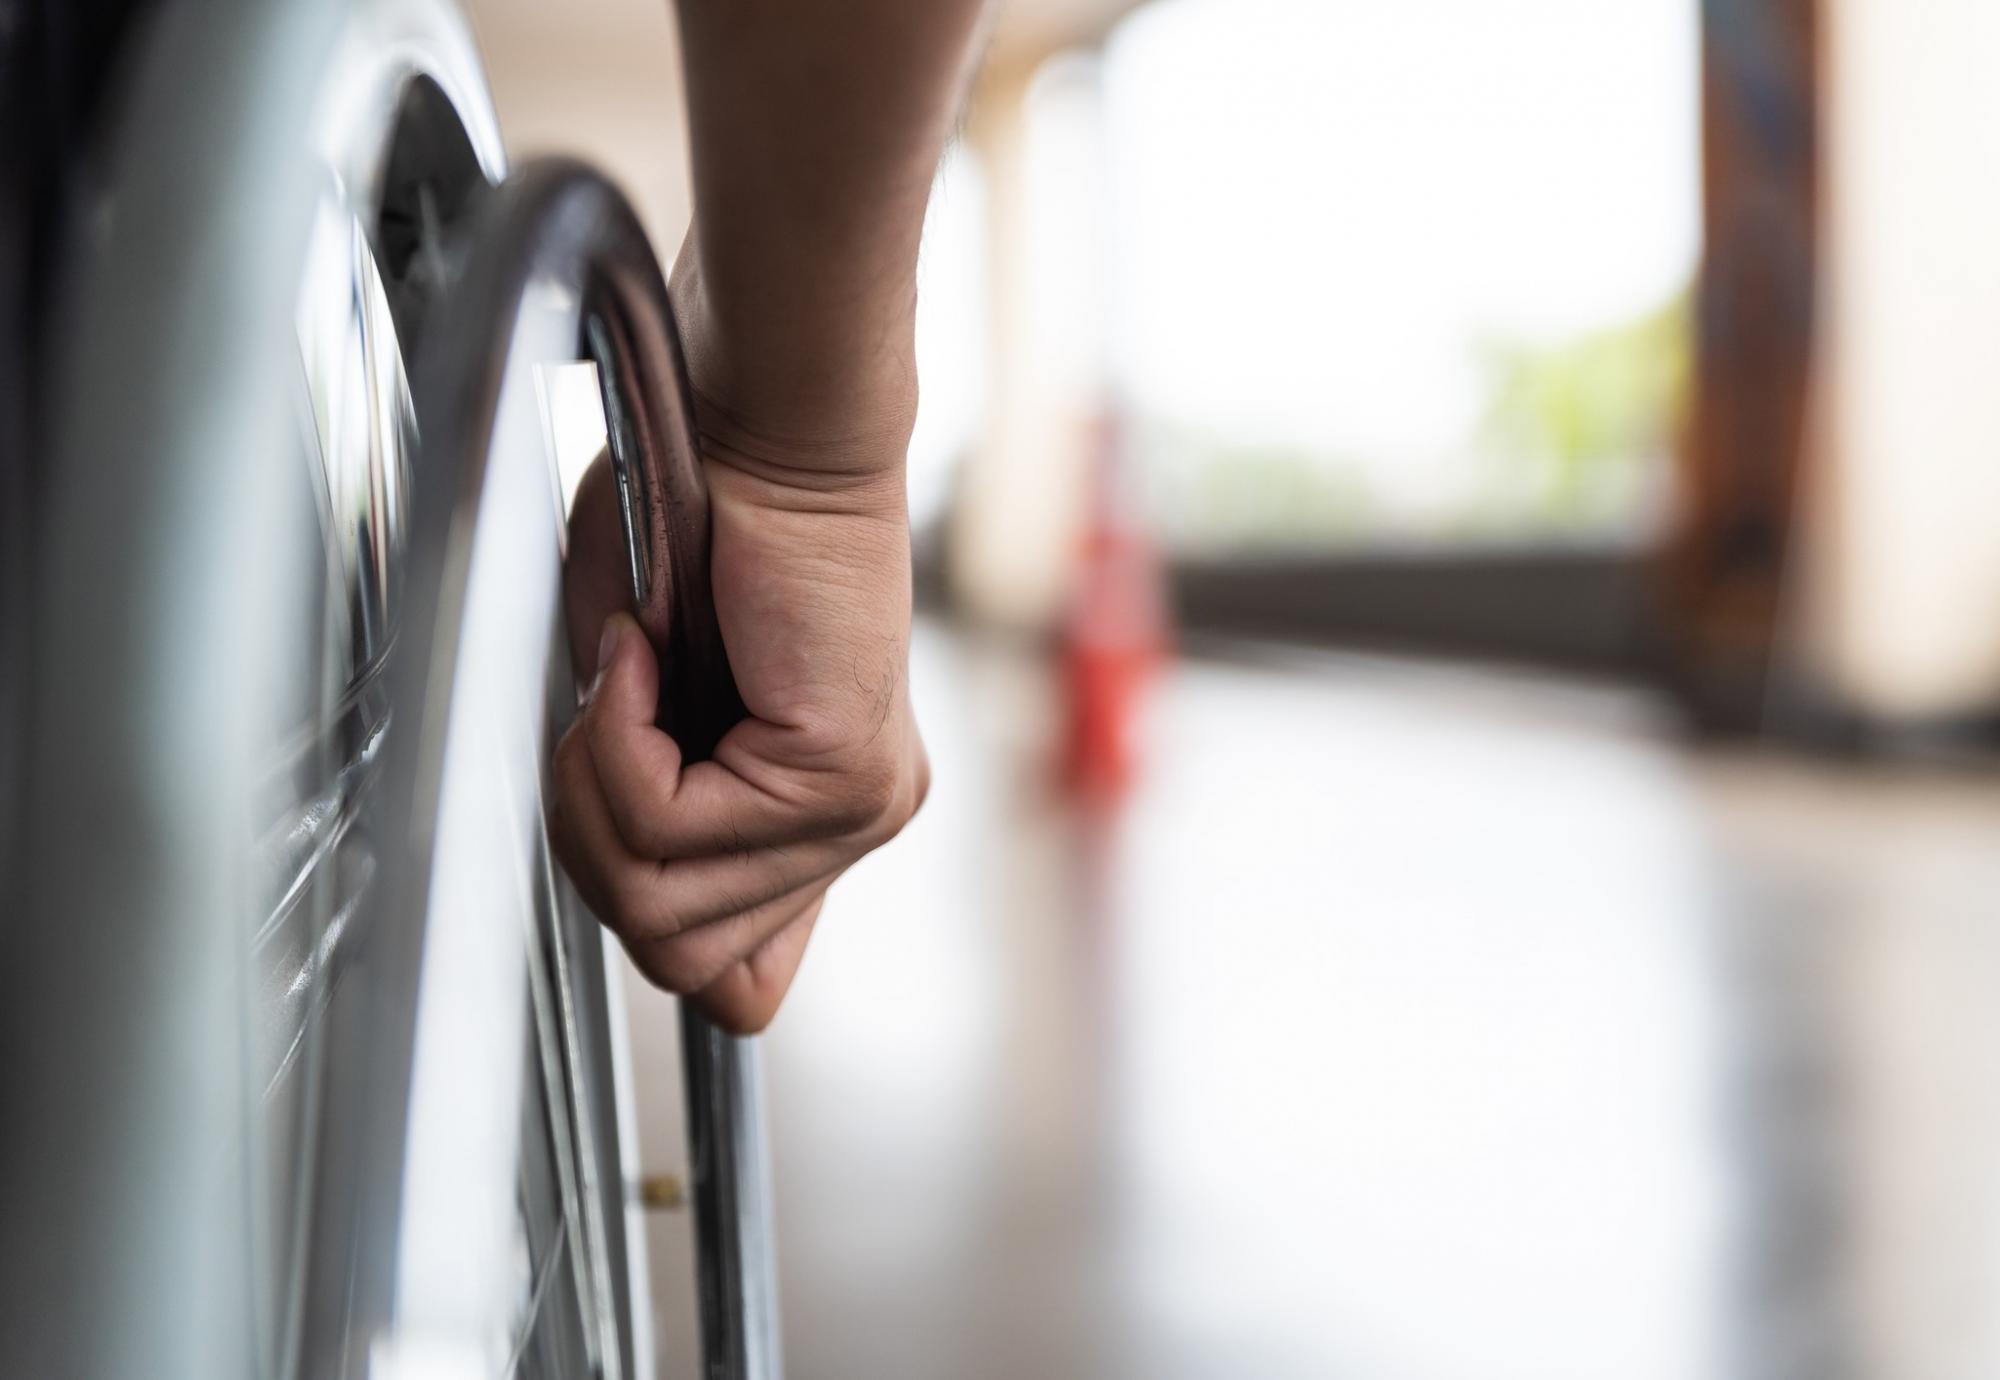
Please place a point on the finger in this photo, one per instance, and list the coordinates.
(653, 900)
(581, 829)
(747, 995)
(686, 963)
(635, 761)
(739, 803)
(645, 899)
(596, 580)
(640, 767)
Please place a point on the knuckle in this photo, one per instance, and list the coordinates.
(634, 910)
(691, 963)
(679, 967)
(881, 792)
(748, 1016)
(868, 793)
(912, 785)
(636, 825)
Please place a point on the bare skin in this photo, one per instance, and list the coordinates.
(816, 130)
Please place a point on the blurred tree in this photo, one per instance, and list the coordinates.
(1613, 397)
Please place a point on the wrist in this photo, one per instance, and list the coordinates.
(795, 390)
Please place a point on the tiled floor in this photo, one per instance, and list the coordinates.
(1409, 1022)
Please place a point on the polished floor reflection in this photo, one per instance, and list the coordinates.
(1407, 1022)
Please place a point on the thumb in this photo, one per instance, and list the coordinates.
(636, 764)
(596, 580)
(626, 691)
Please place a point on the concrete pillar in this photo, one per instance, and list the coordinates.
(1904, 512)
(1014, 522)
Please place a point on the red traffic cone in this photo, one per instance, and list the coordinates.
(1114, 631)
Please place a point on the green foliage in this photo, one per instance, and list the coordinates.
(1607, 398)
(1570, 443)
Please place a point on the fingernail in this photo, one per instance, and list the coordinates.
(607, 643)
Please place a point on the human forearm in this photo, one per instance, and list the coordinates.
(816, 127)
(816, 130)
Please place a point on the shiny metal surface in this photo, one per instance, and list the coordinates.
(174, 515)
(735, 1242)
(478, 1290)
(278, 1070)
(560, 270)
(364, 423)
(663, 507)
(546, 1291)
(314, 860)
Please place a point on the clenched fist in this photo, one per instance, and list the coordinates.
(814, 131)
(713, 873)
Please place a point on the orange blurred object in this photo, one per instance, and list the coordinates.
(1114, 633)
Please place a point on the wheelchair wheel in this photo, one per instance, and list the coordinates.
(559, 279)
(310, 1063)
